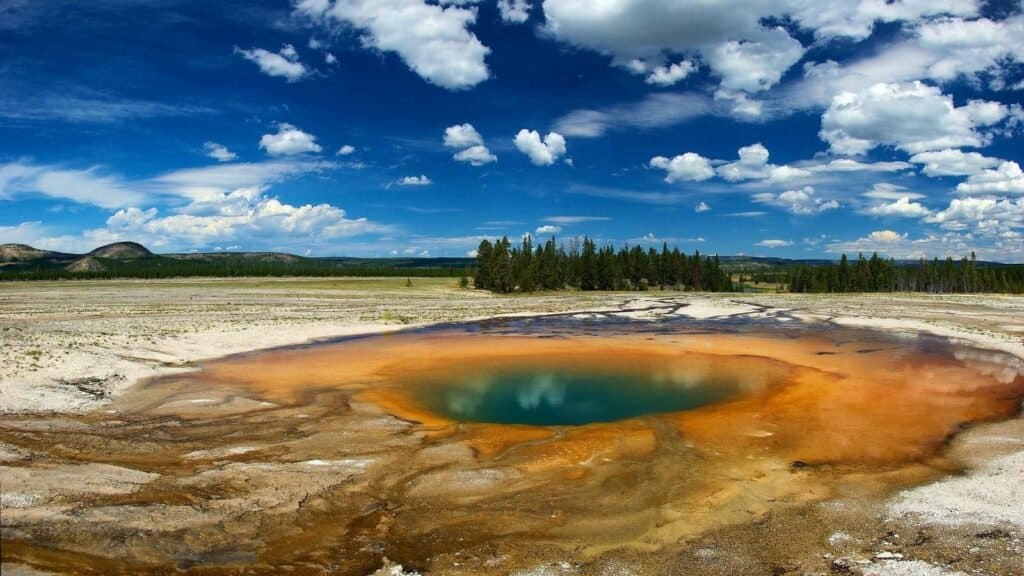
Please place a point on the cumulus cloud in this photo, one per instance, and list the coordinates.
(219, 152)
(665, 76)
(729, 35)
(476, 155)
(903, 207)
(462, 136)
(753, 165)
(474, 150)
(691, 167)
(346, 150)
(224, 204)
(984, 216)
(283, 64)
(420, 180)
(913, 117)
(701, 207)
(772, 243)
(1007, 178)
(755, 65)
(548, 230)
(514, 11)
(254, 215)
(732, 35)
(433, 40)
(741, 106)
(950, 162)
(289, 141)
(541, 152)
(804, 201)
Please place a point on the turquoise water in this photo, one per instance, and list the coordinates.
(546, 397)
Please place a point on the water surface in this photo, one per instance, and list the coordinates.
(546, 396)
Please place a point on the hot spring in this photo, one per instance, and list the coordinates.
(518, 440)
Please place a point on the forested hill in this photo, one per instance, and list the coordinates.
(132, 260)
(502, 267)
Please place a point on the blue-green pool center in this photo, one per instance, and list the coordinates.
(568, 397)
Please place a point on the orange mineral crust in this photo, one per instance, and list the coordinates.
(801, 399)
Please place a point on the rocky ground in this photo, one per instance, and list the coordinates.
(69, 349)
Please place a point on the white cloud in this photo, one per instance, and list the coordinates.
(669, 75)
(541, 152)
(913, 117)
(289, 141)
(284, 64)
(1007, 178)
(742, 107)
(755, 65)
(88, 186)
(258, 217)
(774, 243)
(903, 207)
(983, 216)
(654, 111)
(514, 11)
(212, 183)
(462, 136)
(476, 156)
(701, 207)
(886, 191)
(474, 151)
(1003, 246)
(330, 58)
(346, 150)
(950, 162)
(885, 236)
(729, 35)
(690, 167)
(753, 165)
(434, 41)
(219, 152)
(804, 201)
(569, 220)
(548, 230)
(856, 20)
(848, 165)
(420, 180)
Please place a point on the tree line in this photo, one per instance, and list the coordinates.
(503, 268)
(876, 274)
(157, 267)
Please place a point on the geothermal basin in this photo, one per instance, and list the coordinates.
(492, 447)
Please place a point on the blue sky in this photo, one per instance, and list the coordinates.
(417, 127)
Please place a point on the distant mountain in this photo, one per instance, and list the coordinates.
(25, 253)
(133, 260)
(121, 251)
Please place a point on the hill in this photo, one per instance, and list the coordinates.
(25, 253)
(121, 251)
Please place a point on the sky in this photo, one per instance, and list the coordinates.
(790, 128)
